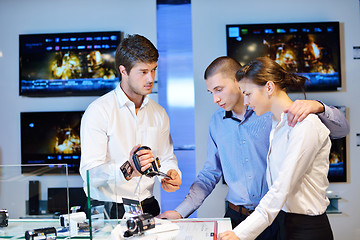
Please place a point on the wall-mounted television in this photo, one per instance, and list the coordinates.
(337, 159)
(50, 138)
(310, 49)
(67, 64)
(337, 167)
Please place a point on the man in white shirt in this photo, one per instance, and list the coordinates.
(115, 125)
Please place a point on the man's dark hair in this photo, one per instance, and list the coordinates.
(133, 49)
(227, 66)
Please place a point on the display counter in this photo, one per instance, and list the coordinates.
(37, 199)
(192, 228)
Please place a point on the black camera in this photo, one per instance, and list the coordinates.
(139, 224)
(41, 233)
(152, 170)
(4, 217)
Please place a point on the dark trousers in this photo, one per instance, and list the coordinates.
(298, 226)
(269, 233)
(117, 211)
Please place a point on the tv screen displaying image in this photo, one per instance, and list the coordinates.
(308, 49)
(337, 167)
(68, 64)
(51, 138)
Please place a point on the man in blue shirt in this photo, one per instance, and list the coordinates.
(238, 143)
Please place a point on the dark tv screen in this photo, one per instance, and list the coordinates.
(58, 200)
(68, 64)
(337, 159)
(50, 138)
(337, 167)
(308, 49)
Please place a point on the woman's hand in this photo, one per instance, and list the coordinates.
(228, 235)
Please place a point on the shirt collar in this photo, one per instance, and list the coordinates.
(283, 120)
(124, 100)
(229, 114)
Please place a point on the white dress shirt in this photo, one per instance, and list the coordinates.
(110, 128)
(297, 168)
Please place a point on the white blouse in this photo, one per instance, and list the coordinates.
(297, 168)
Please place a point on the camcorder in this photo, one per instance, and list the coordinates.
(78, 217)
(4, 217)
(153, 170)
(137, 225)
(41, 233)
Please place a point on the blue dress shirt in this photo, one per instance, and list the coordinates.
(236, 150)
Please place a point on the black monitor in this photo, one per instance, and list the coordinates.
(337, 167)
(337, 159)
(310, 49)
(51, 138)
(57, 200)
(68, 64)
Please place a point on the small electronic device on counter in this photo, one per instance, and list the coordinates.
(4, 217)
(41, 233)
(137, 225)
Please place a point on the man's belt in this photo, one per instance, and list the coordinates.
(240, 209)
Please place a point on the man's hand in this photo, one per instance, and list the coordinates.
(300, 109)
(169, 215)
(173, 184)
(228, 235)
(146, 157)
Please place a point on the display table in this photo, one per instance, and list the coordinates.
(17, 227)
(191, 228)
(182, 229)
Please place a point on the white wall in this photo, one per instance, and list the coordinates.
(43, 16)
(209, 20)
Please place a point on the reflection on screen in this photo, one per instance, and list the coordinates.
(309, 49)
(51, 138)
(68, 64)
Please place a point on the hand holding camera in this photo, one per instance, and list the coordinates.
(142, 162)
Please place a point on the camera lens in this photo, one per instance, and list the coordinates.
(131, 224)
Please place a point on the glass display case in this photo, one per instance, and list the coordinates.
(37, 203)
(37, 199)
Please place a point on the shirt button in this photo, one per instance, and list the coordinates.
(246, 160)
(244, 142)
(249, 177)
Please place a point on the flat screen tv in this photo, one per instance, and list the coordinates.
(337, 167)
(50, 138)
(57, 200)
(68, 64)
(310, 49)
